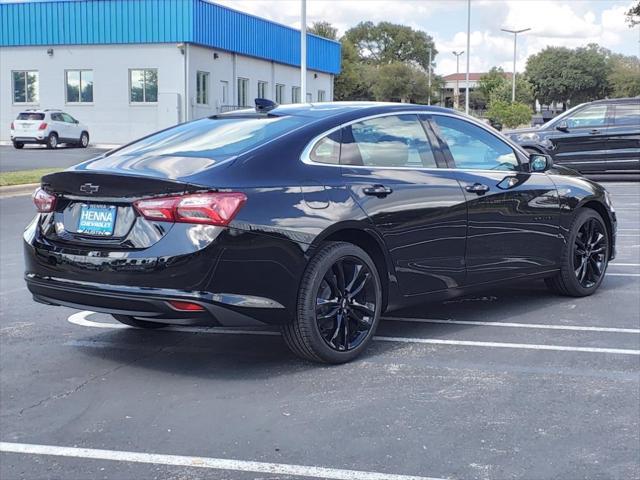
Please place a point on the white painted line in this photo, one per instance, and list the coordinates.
(202, 462)
(84, 322)
(616, 264)
(629, 229)
(636, 235)
(515, 325)
(609, 274)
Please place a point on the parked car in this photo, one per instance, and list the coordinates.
(49, 127)
(318, 218)
(597, 137)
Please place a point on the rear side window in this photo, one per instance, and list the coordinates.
(57, 117)
(627, 114)
(327, 150)
(30, 116)
(474, 148)
(388, 141)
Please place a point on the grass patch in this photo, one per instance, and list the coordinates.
(21, 177)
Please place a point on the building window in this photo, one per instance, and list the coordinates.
(26, 87)
(224, 92)
(321, 96)
(202, 88)
(143, 86)
(243, 92)
(79, 86)
(295, 94)
(279, 93)
(262, 89)
(309, 98)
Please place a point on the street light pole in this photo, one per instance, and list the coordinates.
(457, 95)
(429, 96)
(515, 43)
(466, 96)
(303, 52)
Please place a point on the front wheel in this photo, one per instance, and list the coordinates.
(134, 322)
(339, 305)
(584, 258)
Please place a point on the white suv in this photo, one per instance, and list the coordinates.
(49, 127)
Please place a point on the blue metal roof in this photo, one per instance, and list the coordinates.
(90, 22)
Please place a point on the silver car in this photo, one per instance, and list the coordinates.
(49, 127)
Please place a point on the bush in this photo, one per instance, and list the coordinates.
(510, 115)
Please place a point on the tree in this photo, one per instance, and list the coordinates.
(563, 75)
(624, 76)
(633, 15)
(354, 80)
(387, 43)
(400, 82)
(491, 81)
(496, 85)
(324, 29)
(510, 115)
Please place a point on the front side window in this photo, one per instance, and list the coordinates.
(26, 86)
(594, 116)
(243, 92)
(262, 89)
(202, 88)
(68, 118)
(389, 141)
(627, 114)
(79, 86)
(295, 94)
(143, 85)
(321, 96)
(279, 94)
(473, 147)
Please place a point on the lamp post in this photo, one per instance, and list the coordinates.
(429, 96)
(457, 94)
(466, 96)
(303, 52)
(515, 42)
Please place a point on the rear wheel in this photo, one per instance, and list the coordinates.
(84, 140)
(134, 322)
(18, 145)
(339, 305)
(585, 256)
(52, 140)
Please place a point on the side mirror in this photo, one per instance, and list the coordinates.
(562, 126)
(539, 162)
(76, 122)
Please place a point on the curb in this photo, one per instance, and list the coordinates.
(106, 146)
(18, 190)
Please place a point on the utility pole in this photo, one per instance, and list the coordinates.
(515, 42)
(457, 94)
(466, 96)
(429, 96)
(303, 52)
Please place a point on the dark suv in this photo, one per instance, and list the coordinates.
(597, 137)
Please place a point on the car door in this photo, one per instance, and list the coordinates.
(581, 139)
(513, 215)
(72, 127)
(391, 168)
(624, 137)
(59, 126)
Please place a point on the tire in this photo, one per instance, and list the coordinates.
(18, 145)
(134, 322)
(573, 267)
(52, 140)
(84, 140)
(336, 319)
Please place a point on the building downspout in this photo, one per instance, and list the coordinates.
(187, 99)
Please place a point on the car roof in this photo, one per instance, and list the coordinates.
(618, 100)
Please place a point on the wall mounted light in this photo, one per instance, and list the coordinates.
(215, 55)
(50, 52)
(315, 75)
(180, 47)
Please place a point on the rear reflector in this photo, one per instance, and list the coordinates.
(44, 202)
(42, 126)
(12, 126)
(186, 306)
(205, 208)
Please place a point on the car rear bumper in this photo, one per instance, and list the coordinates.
(21, 139)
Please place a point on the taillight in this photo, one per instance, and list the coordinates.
(186, 306)
(44, 202)
(42, 126)
(12, 127)
(206, 208)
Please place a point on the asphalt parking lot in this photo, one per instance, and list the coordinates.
(514, 383)
(37, 156)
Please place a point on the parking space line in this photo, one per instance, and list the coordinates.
(80, 319)
(202, 462)
(609, 274)
(616, 264)
(515, 325)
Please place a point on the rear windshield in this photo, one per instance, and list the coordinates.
(30, 116)
(216, 138)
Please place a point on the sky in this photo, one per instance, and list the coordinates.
(569, 23)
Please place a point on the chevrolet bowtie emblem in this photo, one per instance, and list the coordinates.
(89, 188)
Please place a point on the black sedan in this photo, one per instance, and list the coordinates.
(317, 218)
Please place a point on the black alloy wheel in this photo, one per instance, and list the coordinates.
(339, 305)
(346, 304)
(585, 256)
(590, 252)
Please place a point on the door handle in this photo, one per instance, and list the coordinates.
(477, 188)
(377, 191)
(595, 131)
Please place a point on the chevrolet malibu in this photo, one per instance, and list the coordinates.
(316, 218)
